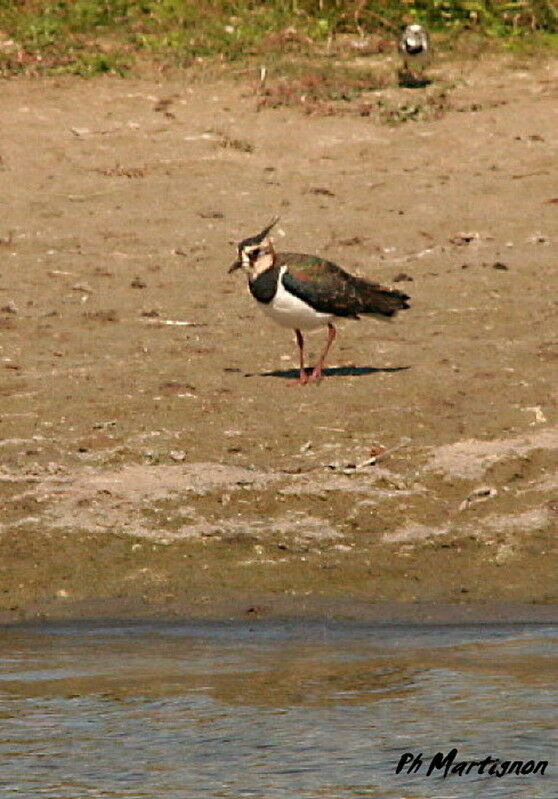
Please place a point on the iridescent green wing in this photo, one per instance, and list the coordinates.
(329, 289)
(321, 284)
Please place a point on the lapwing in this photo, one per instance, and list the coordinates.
(414, 49)
(304, 292)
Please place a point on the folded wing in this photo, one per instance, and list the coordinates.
(329, 289)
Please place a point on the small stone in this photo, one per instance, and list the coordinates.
(85, 287)
(104, 425)
(10, 307)
(538, 238)
(462, 239)
(480, 494)
(177, 455)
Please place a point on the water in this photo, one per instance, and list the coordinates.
(272, 710)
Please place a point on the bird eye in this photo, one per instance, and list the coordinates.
(254, 254)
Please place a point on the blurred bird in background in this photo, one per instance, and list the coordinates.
(414, 49)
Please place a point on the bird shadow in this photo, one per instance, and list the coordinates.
(331, 371)
(407, 80)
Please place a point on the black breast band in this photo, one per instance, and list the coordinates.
(264, 287)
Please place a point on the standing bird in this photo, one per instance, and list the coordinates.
(414, 49)
(304, 292)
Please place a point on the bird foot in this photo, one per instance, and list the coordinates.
(316, 375)
(303, 379)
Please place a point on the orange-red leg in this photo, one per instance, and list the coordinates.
(317, 371)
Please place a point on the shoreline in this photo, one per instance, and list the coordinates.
(278, 610)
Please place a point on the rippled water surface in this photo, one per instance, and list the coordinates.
(272, 710)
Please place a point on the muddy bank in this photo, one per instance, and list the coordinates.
(153, 452)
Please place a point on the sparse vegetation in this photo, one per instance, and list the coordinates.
(432, 105)
(323, 89)
(229, 142)
(88, 37)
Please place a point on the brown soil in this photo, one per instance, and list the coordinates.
(175, 466)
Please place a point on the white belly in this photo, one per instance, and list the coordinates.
(288, 311)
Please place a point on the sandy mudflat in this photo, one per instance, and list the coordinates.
(174, 467)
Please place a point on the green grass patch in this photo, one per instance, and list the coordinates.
(88, 37)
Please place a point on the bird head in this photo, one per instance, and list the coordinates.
(256, 253)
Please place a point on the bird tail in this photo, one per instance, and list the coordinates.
(383, 302)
